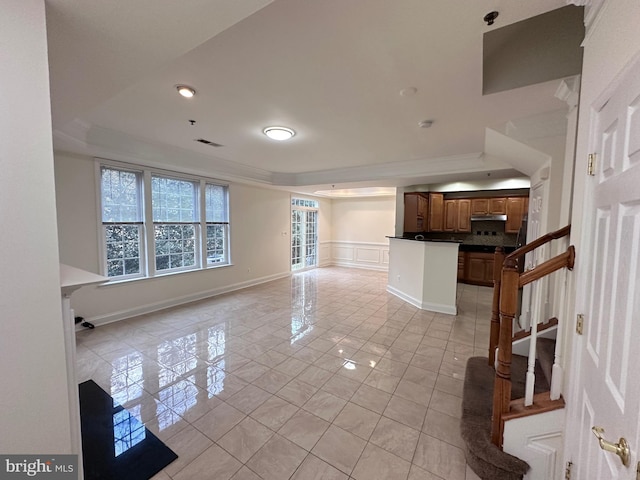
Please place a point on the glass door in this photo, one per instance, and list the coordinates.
(304, 234)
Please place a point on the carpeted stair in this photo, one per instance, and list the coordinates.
(485, 459)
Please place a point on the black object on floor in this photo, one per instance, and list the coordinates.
(115, 445)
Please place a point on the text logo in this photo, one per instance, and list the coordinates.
(46, 467)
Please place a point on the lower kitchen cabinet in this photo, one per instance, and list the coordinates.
(478, 268)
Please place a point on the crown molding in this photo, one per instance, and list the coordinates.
(84, 139)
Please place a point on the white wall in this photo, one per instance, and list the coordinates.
(33, 398)
(260, 246)
(360, 227)
(366, 219)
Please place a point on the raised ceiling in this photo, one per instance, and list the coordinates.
(330, 69)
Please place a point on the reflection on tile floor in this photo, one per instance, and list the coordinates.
(323, 375)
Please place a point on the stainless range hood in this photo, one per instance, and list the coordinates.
(485, 218)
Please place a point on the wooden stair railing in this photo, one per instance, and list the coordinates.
(498, 262)
(510, 282)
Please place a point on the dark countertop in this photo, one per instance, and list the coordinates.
(427, 240)
(484, 248)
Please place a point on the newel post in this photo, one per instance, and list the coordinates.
(502, 386)
(494, 335)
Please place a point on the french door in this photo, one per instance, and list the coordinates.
(304, 234)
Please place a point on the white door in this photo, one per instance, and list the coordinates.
(608, 388)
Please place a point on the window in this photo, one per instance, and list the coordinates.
(122, 222)
(175, 222)
(217, 223)
(158, 222)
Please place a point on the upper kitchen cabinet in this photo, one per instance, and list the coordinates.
(497, 206)
(479, 206)
(516, 207)
(436, 212)
(415, 212)
(457, 215)
(489, 206)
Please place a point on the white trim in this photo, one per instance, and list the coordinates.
(176, 301)
(365, 255)
(431, 307)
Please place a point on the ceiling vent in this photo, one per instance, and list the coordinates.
(208, 142)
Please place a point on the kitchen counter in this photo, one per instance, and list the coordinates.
(424, 273)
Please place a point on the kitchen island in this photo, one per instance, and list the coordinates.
(424, 273)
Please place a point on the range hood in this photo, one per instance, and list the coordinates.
(485, 218)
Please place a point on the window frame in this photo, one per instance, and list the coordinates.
(147, 225)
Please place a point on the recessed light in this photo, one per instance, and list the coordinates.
(279, 133)
(185, 91)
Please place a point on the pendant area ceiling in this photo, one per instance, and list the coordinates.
(332, 70)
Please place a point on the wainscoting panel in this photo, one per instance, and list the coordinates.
(372, 256)
(324, 253)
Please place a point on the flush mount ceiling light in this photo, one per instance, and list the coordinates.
(185, 91)
(279, 133)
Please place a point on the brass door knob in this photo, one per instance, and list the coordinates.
(621, 448)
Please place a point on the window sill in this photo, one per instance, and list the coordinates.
(162, 275)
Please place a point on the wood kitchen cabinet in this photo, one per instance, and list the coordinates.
(479, 268)
(436, 213)
(479, 206)
(461, 261)
(415, 212)
(489, 206)
(515, 208)
(497, 206)
(457, 215)
(464, 215)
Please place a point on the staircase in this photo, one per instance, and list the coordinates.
(505, 386)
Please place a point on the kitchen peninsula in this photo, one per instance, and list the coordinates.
(424, 273)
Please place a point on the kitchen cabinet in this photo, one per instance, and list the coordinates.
(457, 215)
(497, 206)
(479, 268)
(415, 212)
(436, 213)
(479, 206)
(461, 259)
(515, 208)
(464, 215)
(489, 206)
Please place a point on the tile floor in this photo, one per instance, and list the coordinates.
(323, 375)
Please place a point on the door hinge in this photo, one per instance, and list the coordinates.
(579, 323)
(591, 165)
(567, 471)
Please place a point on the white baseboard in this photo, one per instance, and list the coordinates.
(379, 268)
(174, 302)
(431, 307)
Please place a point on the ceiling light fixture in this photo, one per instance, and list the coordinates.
(279, 133)
(185, 91)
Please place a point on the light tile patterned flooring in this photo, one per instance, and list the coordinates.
(323, 375)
